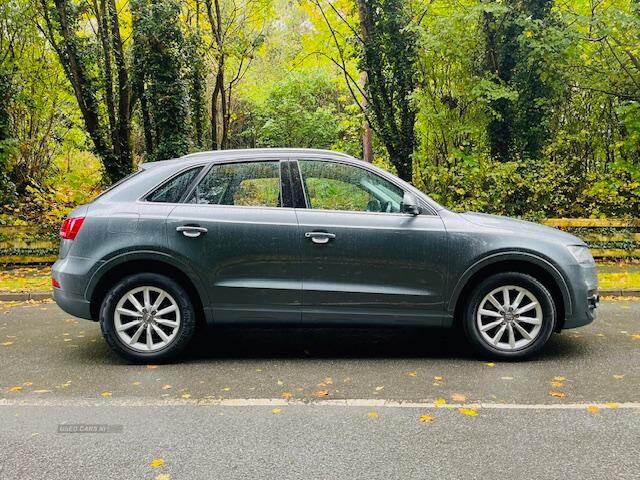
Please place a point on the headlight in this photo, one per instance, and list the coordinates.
(582, 254)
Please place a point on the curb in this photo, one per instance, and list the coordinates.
(37, 296)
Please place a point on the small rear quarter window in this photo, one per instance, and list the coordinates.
(172, 190)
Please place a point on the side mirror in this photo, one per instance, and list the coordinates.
(410, 204)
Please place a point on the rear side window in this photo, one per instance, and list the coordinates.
(251, 184)
(173, 190)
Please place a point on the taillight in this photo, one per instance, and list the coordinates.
(55, 283)
(70, 227)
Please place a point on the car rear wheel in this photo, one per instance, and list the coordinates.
(509, 315)
(147, 317)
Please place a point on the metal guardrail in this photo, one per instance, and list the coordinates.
(22, 244)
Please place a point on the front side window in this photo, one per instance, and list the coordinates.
(250, 184)
(337, 186)
(172, 191)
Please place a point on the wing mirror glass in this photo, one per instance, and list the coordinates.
(410, 204)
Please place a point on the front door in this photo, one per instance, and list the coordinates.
(363, 260)
(239, 231)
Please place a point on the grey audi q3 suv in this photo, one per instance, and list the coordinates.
(307, 237)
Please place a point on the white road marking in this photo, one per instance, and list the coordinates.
(279, 402)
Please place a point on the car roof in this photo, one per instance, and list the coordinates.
(249, 154)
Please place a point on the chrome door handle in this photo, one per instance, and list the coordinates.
(320, 237)
(191, 231)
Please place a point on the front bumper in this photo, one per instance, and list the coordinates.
(583, 281)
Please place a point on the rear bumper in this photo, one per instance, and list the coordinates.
(73, 304)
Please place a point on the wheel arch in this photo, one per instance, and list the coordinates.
(138, 262)
(538, 267)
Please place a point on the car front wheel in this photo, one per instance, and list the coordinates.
(147, 317)
(509, 315)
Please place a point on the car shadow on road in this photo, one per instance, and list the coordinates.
(241, 343)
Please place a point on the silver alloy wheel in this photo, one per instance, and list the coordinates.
(147, 319)
(509, 318)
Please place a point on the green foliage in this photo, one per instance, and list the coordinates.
(300, 111)
(160, 48)
(7, 143)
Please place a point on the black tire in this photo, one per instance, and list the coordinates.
(186, 328)
(545, 300)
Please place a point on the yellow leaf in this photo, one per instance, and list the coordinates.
(135, 383)
(618, 377)
(106, 394)
(557, 394)
(559, 379)
(379, 388)
(276, 411)
(28, 384)
(186, 396)
(490, 364)
(438, 378)
(152, 366)
(456, 397)
(15, 389)
(593, 409)
(157, 462)
(636, 336)
(412, 374)
(372, 414)
(440, 402)
(321, 393)
(506, 378)
(280, 382)
(163, 476)
(42, 391)
(226, 389)
(557, 384)
(426, 418)
(287, 395)
(6, 344)
(612, 405)
(166, 387)
(468, 411)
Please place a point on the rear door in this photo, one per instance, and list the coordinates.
(363, 260)
(239, 230)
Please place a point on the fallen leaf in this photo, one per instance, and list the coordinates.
(276, 411)
(412, 374)
(438, 378)
(280, 382)
(618, 377)
(42, 391)
(28, 384)
(636, 336)
(186, 396)
(157, 462)
(321, 393)
(152, 366)
(106, 394)
(372, 414)
(6, 344)
(166, 387)
(163, 476)
(593, 409)
(490, 364)
(506, 378)
(468, 411)
(328, 381)
(15, 389)
(440, 402)
(456, 397)
(557, 384)
(612, 405)
(287, 395)
(226, 389)
(135, 383)
(559, 379)
(426, 418)
(557, 394)
(379, 388)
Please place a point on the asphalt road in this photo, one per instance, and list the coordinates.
(320, 403)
